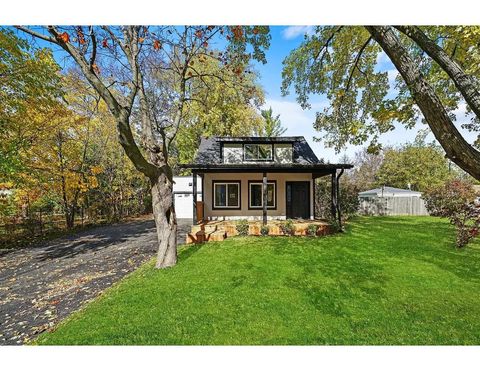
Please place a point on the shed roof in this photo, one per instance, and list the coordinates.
(390, 191)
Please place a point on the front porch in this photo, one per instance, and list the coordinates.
(206, 231)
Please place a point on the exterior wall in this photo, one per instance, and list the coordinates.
(185, 184)
(244, 212)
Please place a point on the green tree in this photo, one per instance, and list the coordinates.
(415, 165)
(29, 84)
(226, 104)
(273, 125)
(438, 70)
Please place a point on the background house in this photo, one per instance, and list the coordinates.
(183, 196)
(391, 201)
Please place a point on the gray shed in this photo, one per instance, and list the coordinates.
(391, 201)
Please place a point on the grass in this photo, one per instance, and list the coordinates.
(387, 280)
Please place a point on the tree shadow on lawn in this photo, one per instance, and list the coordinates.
(186, 251)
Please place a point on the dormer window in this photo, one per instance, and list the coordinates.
(258, 152)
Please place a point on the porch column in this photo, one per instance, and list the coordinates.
(337, 186)
(333, 193)
(194, 184)
(264, 197)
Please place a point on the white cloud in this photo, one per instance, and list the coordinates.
(293, 32)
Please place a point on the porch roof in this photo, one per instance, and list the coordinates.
(320, 168)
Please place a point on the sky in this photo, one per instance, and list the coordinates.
(299, 121)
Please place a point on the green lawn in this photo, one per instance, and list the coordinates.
(392, 280)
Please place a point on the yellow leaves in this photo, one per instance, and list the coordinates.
(6, 185)
(95, 170)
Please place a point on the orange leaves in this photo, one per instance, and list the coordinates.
(95, 69)
(238, 71)
(205, 44)
(198, 34)
(157, 45)
(64, 37)
(80, 35)
(237, 32)
(141, 39)
(255, 30)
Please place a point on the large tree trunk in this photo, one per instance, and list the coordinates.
(456, 147)
(165, 221)
(466, 84)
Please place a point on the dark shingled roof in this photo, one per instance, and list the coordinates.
(304, 160)
(210, 149)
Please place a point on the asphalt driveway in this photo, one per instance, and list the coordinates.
(40, 285)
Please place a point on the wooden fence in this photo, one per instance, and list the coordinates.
(393, 206)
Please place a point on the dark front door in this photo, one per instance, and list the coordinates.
(298, 200)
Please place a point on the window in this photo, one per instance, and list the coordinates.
(258, 152)
(255, 196)
(226, 195)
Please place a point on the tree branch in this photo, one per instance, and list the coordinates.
(466, 84)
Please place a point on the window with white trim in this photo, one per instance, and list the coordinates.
(226, 195)
(255, 195)
(258, 152)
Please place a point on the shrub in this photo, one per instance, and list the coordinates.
(312, 229)
(242, 227)
(349, 202)
(264, 230)
(455, 200)
(287, 227)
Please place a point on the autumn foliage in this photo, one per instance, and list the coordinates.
(455, 200)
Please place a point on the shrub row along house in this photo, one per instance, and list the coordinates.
(259, 178)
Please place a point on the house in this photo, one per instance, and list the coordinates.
(259, 178)
(391, 201)
(183, 196)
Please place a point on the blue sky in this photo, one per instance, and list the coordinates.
(300, 122)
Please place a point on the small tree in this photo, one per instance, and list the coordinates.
(455, 200)
(273, 125)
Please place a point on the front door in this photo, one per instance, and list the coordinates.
(298, 200)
